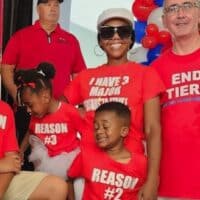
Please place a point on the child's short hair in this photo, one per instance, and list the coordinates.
(36, 78)
(120, 109)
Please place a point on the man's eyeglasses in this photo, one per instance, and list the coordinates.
(107, 32)
(175, 8)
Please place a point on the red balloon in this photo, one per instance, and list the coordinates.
(147, 2)
(164, 37)
(152, 30)
(140, 11)
(149, 42)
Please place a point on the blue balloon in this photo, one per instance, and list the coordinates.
(139, 30)
(145, 64)
(154, 53)
(159, 2)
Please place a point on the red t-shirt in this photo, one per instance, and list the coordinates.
(180, 161)
(58, 130)
(130, 83)
(106, 179)
(31, 45)
(8, 141)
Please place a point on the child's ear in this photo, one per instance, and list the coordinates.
(46, 96)
(124, 131)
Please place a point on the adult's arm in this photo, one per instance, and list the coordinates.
(9, 165)
(152, 130)
(7, 72)
(4, 183)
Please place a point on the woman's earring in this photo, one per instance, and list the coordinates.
(98, 50)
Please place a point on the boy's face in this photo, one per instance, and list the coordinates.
(109, 130)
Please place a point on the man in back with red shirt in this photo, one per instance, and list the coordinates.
(112, 170)
(45, 41)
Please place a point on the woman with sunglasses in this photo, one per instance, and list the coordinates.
(123, 81)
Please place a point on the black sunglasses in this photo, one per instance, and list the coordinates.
(107, 32)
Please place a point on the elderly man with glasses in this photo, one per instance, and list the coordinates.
(179, 67)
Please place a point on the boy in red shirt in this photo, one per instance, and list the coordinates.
(110, 170)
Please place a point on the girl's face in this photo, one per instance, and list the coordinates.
(116, 45)
(37, 104)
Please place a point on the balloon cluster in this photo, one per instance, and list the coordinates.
(149, 31)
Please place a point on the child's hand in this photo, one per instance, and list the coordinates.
(10, 163)
(21, 154)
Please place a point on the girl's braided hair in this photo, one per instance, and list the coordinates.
(35, 79)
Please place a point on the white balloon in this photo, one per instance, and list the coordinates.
(155, 17)
(138, 54)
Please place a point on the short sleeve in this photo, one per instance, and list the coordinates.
(72, 92)
(9, 142)
(79, 63)
(76, 119)
(76, 167)
(10, 54)
(152, 84)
